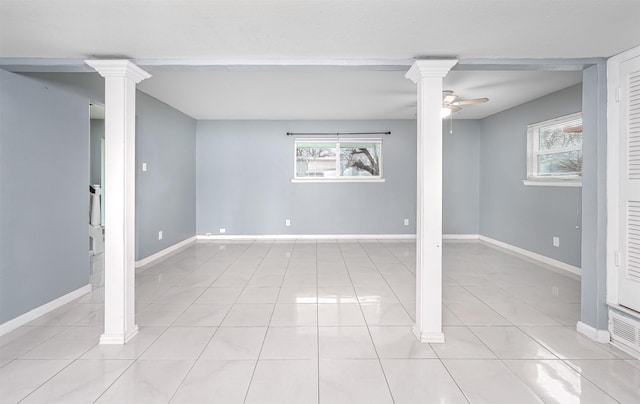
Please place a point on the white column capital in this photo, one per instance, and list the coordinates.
(435, 68)
(118, 68)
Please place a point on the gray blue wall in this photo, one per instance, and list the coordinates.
(244, 181)
(44, 199)
(165, 140)
(461, 172)
(244, 171)
(96, 135)
(527, 216)
(166, 192)
(44, 177)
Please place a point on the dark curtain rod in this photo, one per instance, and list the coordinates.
(337, 134)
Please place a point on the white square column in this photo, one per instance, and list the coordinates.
(121, 77)
(428, 75)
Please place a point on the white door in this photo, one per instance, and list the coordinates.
(629, 186)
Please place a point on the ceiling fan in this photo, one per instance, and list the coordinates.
(451, 103)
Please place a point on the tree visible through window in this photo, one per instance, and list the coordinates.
(555, 148)
(335, 159)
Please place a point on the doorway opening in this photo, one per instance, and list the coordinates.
(96, 194)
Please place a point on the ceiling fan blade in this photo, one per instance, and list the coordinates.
(449, 98)
(453, 108)
(469, 102)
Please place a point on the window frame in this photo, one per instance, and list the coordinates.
(533, 151)
(338, 177)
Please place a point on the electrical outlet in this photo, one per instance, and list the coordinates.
(556, 241)
(160, 235)
(406, 222)
(287, 222)
(223, 231)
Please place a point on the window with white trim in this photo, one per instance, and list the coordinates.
(352, 159)
(554, 150)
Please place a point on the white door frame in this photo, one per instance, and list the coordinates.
(613, 172)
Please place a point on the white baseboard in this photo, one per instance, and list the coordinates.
(530, 254)
(601, 336)
(310, 237)
(19, 321)
(460, 236)
(164, 252)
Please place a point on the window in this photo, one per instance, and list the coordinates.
(555, 151)
(338, 159)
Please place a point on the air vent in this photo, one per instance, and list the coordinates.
(633, 240)
(633, 134)
(625, 330)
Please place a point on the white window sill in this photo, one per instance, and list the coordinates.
(553, 183)
(317, 181)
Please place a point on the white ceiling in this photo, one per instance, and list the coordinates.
(209, 29)
(192, 32)
(339, 94)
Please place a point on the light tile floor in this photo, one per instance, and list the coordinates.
(327, 321)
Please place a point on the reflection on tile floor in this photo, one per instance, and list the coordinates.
(321, 322)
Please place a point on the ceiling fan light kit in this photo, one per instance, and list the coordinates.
(451, 104)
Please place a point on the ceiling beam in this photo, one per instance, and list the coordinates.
(37, 65)
(559, 65)
(43, 65)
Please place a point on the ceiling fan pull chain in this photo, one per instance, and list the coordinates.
(451, 124)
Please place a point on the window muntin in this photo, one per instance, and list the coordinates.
(338, 159)
(555, 149)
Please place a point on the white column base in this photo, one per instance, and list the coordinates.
(118, 339)
(428, 337)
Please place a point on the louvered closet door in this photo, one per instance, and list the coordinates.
(629, 287)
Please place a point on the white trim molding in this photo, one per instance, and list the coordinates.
(552, 183)
(334, 181)
(226, 237)
(601, 336)
(530, 254)
(430, 68)
(31, 315)
(118, 68)
(166, 251)
(460, 236)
